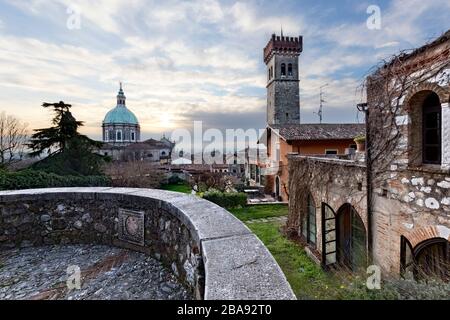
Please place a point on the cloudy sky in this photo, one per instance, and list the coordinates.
(195, 60)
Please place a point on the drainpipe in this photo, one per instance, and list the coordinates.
(363, 107)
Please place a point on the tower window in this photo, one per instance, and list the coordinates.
(119, 135)
(133, 136)
(290, 70)
(283, 70)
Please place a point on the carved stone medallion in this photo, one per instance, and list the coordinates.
(131, 226)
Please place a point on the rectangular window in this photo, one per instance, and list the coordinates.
(331, 151)
(132, 136)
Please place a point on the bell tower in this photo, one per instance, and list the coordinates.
(281, 55)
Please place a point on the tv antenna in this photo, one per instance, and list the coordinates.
(322, 100)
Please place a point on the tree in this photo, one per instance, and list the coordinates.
(13, 136)
(69, 152)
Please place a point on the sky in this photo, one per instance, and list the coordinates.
(185, 61)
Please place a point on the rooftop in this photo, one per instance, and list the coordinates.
(315, 131)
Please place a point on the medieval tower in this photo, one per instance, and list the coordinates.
(281, 56)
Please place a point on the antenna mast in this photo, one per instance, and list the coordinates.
(322, 100)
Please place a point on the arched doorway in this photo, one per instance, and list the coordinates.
(277, 188)
(351, 251)
(429, 259)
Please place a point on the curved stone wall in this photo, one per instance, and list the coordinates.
(211, 251)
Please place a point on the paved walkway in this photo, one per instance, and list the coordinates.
(106, 273)
(282, 219)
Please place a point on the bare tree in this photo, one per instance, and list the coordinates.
(13, 137)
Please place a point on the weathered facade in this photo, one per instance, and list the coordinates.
(406, 181)
(409, 148)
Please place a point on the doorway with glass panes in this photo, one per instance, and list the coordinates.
(344, 241)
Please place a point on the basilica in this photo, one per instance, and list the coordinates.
(122, 137)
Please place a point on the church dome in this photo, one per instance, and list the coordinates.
(120, 114)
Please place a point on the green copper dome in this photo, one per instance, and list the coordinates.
(120, 114)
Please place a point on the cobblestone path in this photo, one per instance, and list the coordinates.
(106, 273)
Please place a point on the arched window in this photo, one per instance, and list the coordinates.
(271, 72)
(429, 259)
(283, 70)
(309, 226)
(111, 135)
(290, 72)
(133, 136)
(431, 133)
(119, 135)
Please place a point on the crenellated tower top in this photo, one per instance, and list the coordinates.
(283, 45)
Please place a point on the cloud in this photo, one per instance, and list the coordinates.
(194, 60)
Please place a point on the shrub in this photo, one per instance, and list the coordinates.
(226, 200)
(31, 179)
(360, 139)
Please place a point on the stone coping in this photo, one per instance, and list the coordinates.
(237, 265)
(353, 163)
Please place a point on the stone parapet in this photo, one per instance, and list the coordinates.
(211, 251)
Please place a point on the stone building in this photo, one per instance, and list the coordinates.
(284, 133)
(393, 210)
(122, 137)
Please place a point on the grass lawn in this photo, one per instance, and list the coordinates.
(306, 278)
(183, 188)
(260, 211)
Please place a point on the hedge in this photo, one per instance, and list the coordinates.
(226, 200)
(31, 179)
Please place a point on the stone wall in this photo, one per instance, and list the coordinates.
(212, 252)
(407, 204)
(331, 181)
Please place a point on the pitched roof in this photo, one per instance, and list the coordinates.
(327, 131)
